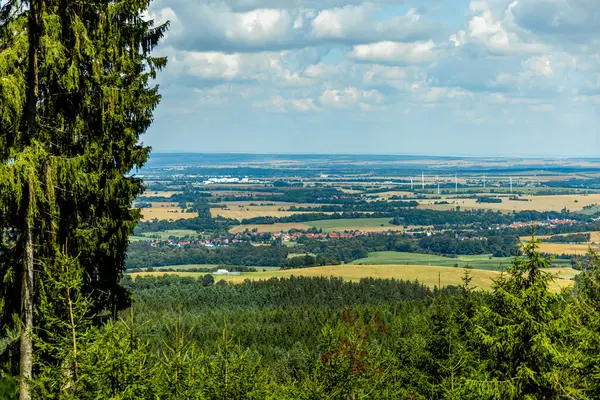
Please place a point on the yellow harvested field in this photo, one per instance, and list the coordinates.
(243, 209)
(157, 204)
(152, 193)
(166, 213)
(428, 275)
(594, 236)
(563, 273)
(566, 248)
(572, 202)
(387, 195)
(563, 278)
(351, 191)
(425, 274)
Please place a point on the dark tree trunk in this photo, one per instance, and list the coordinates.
(27, 283)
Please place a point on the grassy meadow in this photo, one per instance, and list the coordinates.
(329, 225)
(477, 261)
(164, 235)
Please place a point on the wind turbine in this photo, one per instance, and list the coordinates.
(411, 184)
(511, 184)
(456, 183)
(423, 181)
(437, 179)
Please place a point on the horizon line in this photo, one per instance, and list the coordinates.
(554, 157)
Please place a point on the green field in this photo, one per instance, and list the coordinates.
(477, 262)
(138, 238)
(178, 233)
(590, 211)
(355, 223)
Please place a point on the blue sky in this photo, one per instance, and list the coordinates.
(439, 77)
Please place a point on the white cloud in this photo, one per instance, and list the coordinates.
(539, 66)
(395, 52)
(219, 66)
(291, 57)
(280, 105)
(322, 71)
(214, 26)
(498, 36)
(215, 65)
(356, 24)
(217, 26)
(257, 26)
(163, 15)
(366, 107)
(337, 23)
(349, 98)
(340, 98)
(304, 105)
(548, 74)
(436, 93)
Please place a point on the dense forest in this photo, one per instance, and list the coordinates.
(320, 338)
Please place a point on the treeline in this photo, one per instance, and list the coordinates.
(572, 238)
(186, 197)
(412, 216)
(230, 268)
(593, 183)
(486, 199)
(558, 229)
(142, 255)
(324, 195)
(307, 217)
(481, 218)
(365, 206)
(498, 246)
(324, 252)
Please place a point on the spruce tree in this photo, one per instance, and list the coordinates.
(520, 335)
(75, 96)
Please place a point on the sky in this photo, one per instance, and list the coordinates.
(435, 77)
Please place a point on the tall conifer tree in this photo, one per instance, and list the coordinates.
(76, 76)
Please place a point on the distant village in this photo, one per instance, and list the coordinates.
(295, 236)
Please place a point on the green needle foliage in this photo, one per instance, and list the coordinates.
(520, 332)
(75, 97)
(519, 341)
